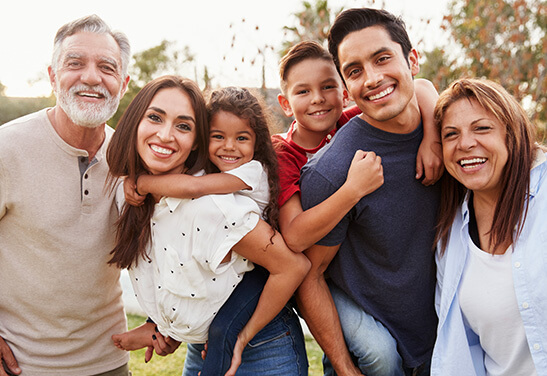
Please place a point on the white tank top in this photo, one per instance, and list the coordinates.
(489, 305)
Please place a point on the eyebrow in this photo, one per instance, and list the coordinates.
(182, 117)
(379, 51)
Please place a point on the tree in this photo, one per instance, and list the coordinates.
(503, 40)
(149, 64)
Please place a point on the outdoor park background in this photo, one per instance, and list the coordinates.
(239, 42)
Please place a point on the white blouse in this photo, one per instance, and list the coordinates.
(184, 283)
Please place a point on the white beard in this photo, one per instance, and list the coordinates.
(89, 115)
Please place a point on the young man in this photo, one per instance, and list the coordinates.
(61, 302)
(382, 279)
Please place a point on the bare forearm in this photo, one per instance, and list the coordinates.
(310, 226)
(317, 307)
(188, 186)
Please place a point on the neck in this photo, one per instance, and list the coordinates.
(485, 208)
(88, 139)
(309, 139)
(405, 122)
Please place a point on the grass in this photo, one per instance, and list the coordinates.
(172, 365)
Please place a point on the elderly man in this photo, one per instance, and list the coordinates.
(60, 301)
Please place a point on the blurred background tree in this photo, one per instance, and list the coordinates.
(503, 40)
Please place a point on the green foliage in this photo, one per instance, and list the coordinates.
(503, 40)
(12, 108)
(149, 64)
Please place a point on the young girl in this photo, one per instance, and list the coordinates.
(178, 250)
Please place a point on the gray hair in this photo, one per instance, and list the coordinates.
(91, 24)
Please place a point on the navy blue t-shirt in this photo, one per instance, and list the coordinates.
(386, 260)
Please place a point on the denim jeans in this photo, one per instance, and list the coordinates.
(278, 349)
(373, 348)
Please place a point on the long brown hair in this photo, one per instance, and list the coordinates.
(520, 142)
(246, 105)
(133, 227)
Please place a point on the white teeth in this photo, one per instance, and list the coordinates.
(381, 94)
(469, 163)
(89, 95)
(319, 112)
(161, 150)
(229, 158)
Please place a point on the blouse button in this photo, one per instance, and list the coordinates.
(329, 136)
(525, 305)
(536, 346)
(517, 264)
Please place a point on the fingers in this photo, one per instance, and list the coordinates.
(204, 351)
(148, 354)
(7, 358)
(164, 345)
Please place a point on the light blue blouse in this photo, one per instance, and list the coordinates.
(457, 349)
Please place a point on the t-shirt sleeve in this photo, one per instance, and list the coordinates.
(315, 188)
(250, 173)
(289, 174)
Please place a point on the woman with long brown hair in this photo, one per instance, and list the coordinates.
(185, 256)
(492, 236)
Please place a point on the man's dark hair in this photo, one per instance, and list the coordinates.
(357, 19)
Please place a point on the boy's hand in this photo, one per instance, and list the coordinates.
(429, 161)
(7, 360)
(366, 174)
(130, 191)
(236, 357)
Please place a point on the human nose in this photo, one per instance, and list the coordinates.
(164, 132)
(373, 76)
(90, 76)
(317, 97)
(467, 141)
(228, 144)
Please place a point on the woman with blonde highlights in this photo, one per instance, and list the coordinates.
(491, 294)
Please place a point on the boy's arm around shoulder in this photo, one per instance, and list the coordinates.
(301, 229)
(429, 161)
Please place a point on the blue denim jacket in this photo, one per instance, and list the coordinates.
(457, 349)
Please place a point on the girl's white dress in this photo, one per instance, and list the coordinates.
(183, 284)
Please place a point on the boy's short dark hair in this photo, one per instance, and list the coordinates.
(357, 19)
(301, 51)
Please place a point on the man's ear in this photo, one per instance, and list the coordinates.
(413, 62)
(124, 85)
(52, 77)
(285, 105)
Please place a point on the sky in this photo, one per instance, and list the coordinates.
(207, 27)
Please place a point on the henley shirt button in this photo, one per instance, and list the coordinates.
(525, 305)
(85, 176)
(517, 264)
(86, 192)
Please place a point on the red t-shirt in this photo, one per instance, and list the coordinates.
(292, 157)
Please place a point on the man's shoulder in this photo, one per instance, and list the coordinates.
(24, 123)
(23, 130)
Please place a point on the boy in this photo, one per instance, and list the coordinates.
(314, 94)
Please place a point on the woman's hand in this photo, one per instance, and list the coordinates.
(132, 197)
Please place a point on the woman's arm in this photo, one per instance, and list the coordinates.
(287, 270)
(302, 229)
(429, 161)
(180, 186)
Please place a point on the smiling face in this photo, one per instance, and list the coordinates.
(166, 134)
(379, 78)
(314, 95)
(232, 141)
(474, 147)
(88, 82)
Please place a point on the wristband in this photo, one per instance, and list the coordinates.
(136, 189)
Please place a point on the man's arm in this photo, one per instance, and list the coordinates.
(317, 307)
